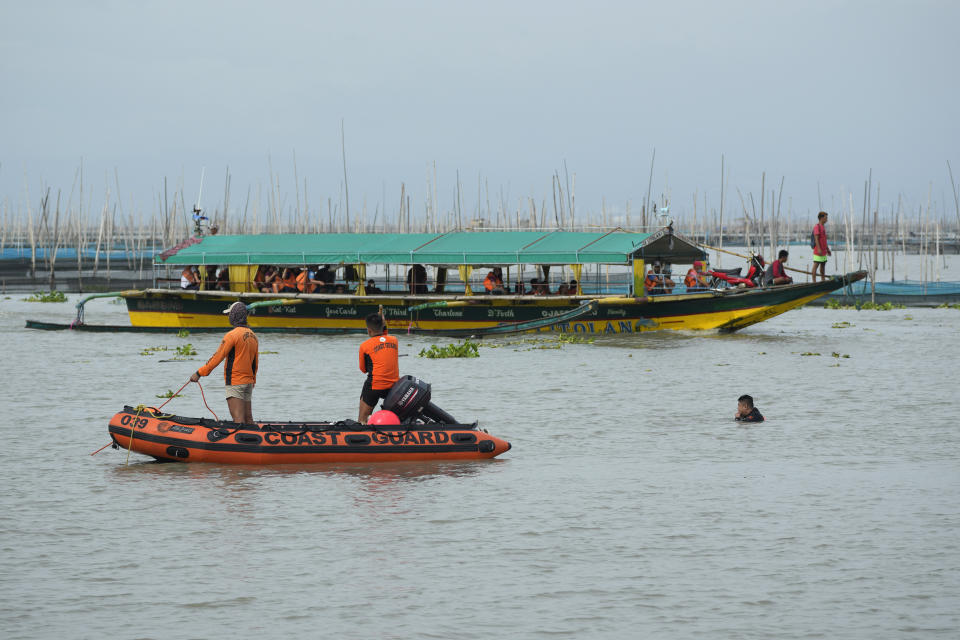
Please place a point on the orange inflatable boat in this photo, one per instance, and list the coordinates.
(427, 433)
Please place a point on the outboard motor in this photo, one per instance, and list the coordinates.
(409, 398)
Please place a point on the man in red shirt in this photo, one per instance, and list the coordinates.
(820, 248)
(380, 360)
(241, 349)
(778, 274)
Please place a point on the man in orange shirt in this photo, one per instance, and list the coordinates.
(379, 359)
(240, 348)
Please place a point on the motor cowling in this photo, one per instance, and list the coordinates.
(409, 398)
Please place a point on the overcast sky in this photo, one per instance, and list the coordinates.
(814, 91)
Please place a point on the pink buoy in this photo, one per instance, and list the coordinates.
(384, 418)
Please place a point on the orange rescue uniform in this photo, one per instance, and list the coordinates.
(240, 348)
(379, 359)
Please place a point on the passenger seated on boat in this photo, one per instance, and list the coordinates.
(656, 281)
(189, 278)
(573, 287)
(340, 288)
(240, 348)
(372, 287)
(270, 276)
(325, 277)
(539, 288)
(563, 289)
(746, 412)
(305, 283)
(210, 278)
(757, 267)
(380, 360)
(776, 273)
(696, 279)
(493, 283)
(223, 278)
(417, 279)
(287, 283)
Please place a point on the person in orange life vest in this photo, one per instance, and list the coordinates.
(305, 284)
(777, 274)
(269, 277)
(696, 280)
(380, 360)
(656, 281)
(493, 283)
(288, 283)
(820, 248)
(240, 348)
(189, 279)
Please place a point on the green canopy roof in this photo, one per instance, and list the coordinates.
(482, 248)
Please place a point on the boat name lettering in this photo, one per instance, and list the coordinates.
(340, 311)
(411, 437)
(281, 309)
(378, 437)
(617, 312)
(305, 437)
(545, 313)
(448, 313)
(500, 313)
(150, 304)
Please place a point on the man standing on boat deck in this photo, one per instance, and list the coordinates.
(240, 348)
(380, 360)
(820, 248)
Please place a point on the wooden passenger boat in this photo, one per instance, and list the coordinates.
(597, 305)
(176, 438)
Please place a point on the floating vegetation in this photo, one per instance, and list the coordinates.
(186, 350)
(809, 353)
(535, 343)
(842, 325)
(263, 352)
(47, 296)
(183, 333)
(945, 305)
(908, 317)
(149, 351)
(833, 303)
(169, 394)
(465, 349)
(886, 306)
(840, 355)
(762, 353)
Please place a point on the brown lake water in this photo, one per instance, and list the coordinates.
(631, 504)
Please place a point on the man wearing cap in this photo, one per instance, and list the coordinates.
(240, 348)
(657, 282)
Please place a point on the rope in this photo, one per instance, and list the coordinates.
(133, 428)
(204, 401)
(175, 394)
(102, 448)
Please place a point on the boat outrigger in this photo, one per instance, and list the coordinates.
(606, 293)
(421, 431)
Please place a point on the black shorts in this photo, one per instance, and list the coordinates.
(372, 396)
